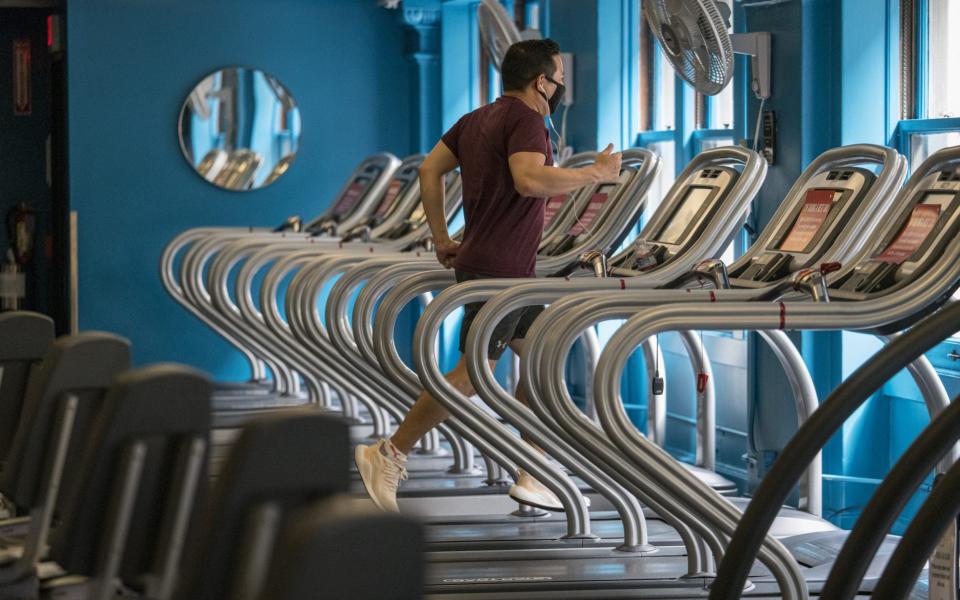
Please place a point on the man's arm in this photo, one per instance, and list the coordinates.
(535, 179)
(438, 163)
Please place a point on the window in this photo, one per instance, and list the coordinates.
(664, 100)
(720, 107)
(943, 80)
(720, 110)
(666, 150)
(930, 82)
(923, 145)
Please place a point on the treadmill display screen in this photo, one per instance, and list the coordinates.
(689, 208)
(923, 219)
(552, 208)
(351, 196)
(816, 209)
(591, 211)
(393, 191)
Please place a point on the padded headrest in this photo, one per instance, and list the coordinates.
(325, 545)
(290, 459)
(24, 339)
(82, 363)
(26, 335)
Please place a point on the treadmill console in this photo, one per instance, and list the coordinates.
(921, 233)
(687, 219)
(349, 198)
(585, 221)
(418, 216)
(810, 228)
(399, 185)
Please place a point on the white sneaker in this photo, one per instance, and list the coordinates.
(527, 490)
(382, 467)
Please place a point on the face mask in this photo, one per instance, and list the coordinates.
(555, 100)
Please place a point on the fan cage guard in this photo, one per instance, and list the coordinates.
(693, 36)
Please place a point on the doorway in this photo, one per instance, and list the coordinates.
(34, 202)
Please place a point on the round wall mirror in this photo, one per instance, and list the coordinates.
(240, 129)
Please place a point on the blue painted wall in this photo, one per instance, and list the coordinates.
(574, 24)
(131, 64)
(806, 99)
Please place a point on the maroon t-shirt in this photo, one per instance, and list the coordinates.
(503, 228)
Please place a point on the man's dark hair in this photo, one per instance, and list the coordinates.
(527, 60)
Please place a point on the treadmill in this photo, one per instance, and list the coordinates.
(912, 271)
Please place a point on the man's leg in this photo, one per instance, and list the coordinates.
(383, 465)
(427, 413)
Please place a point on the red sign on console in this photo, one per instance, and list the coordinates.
(589, 214)
(552, 207)
(812, 216)
(389, 198)
(349, 198)
(922, 221)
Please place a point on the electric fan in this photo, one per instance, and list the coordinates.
(694, 38)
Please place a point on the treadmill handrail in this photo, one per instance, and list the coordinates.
(578, 458)
(507, 406)
(481, 425)
(623, 210)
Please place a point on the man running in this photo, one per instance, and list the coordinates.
(506, 165)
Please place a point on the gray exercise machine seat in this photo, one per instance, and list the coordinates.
(83, 366)
(288, 460)
(141, 464)
(26, 338)
(163, 405)
(277, 525)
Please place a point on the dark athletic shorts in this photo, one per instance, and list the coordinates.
(513, 327)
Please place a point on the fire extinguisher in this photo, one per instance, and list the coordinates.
(21, 228)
